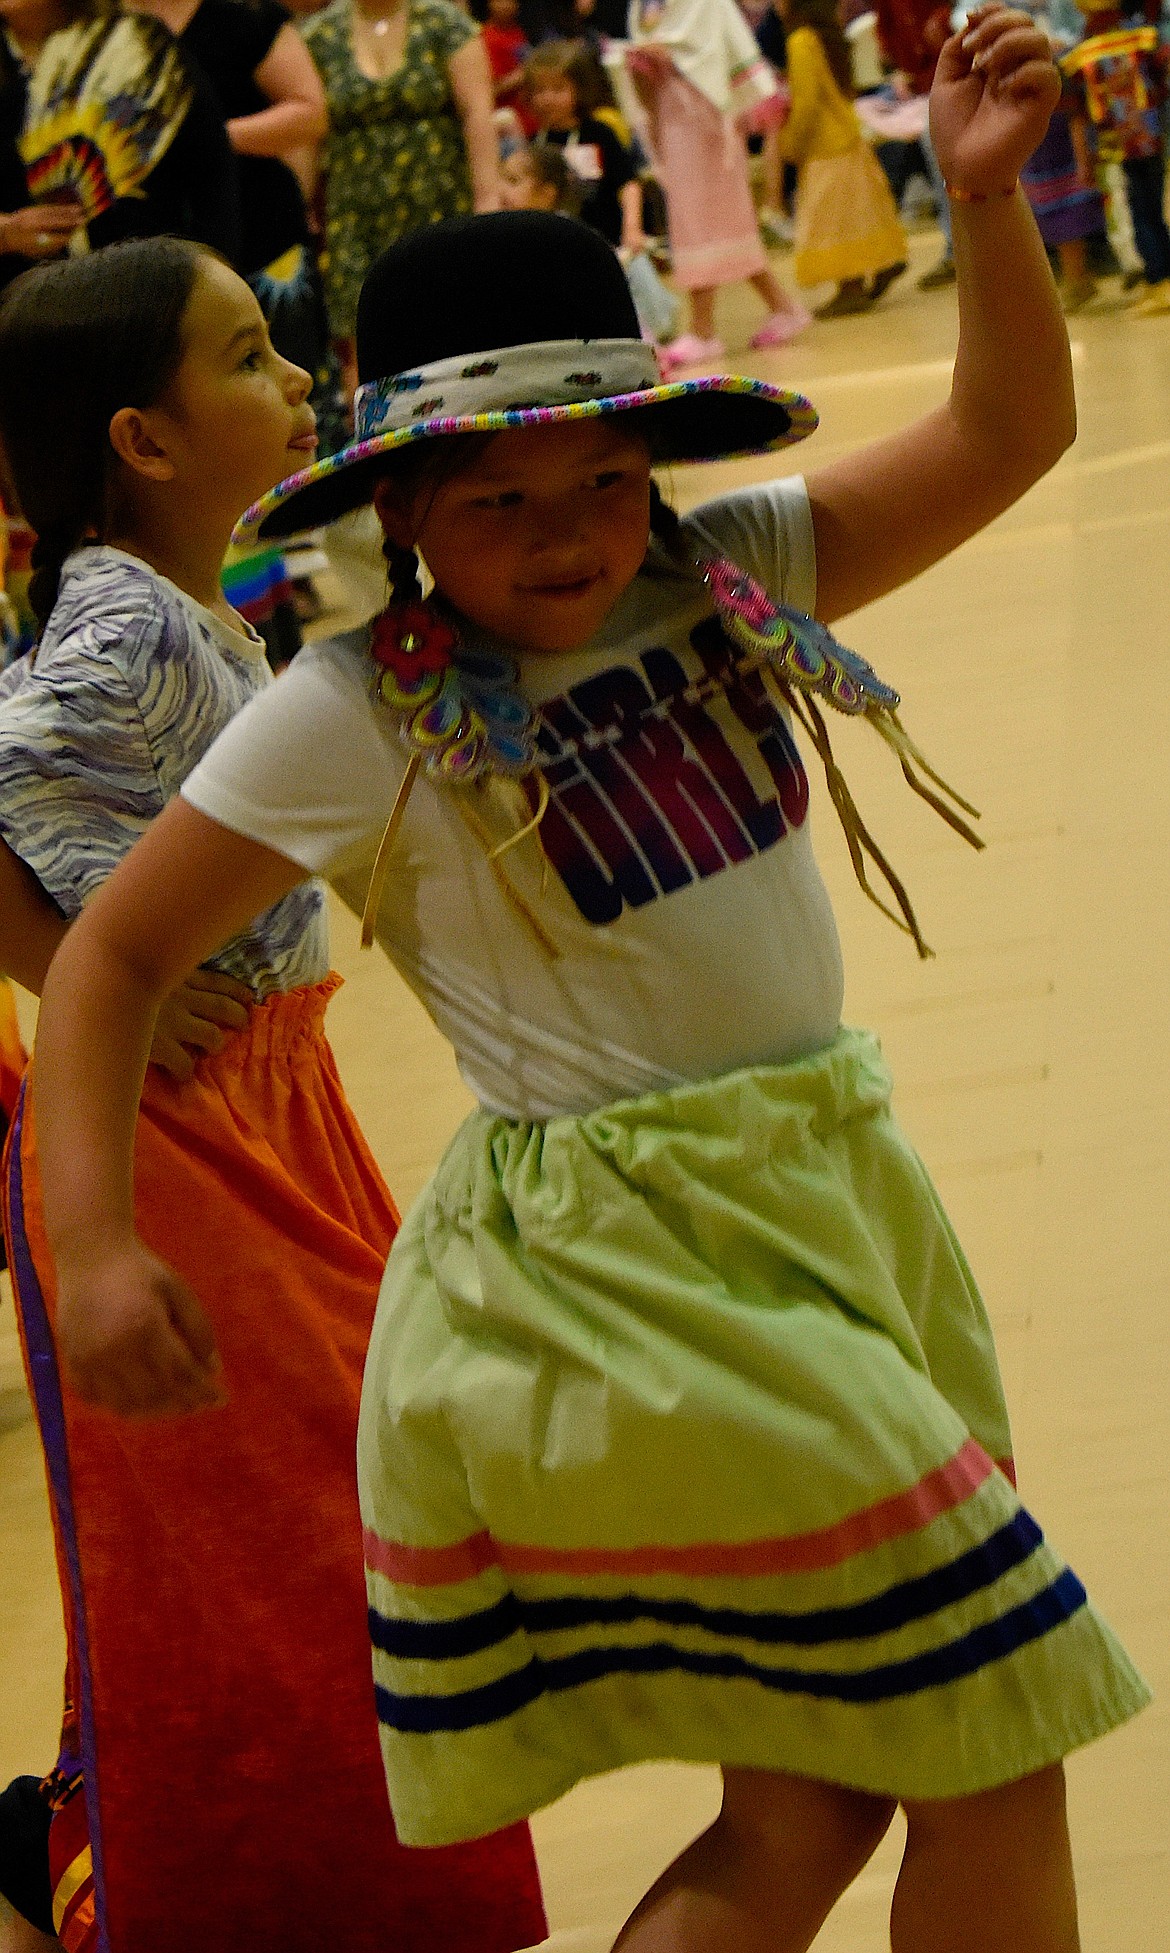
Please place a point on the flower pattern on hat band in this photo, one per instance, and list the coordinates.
(551, 373)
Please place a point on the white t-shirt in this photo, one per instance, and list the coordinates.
(693, 928)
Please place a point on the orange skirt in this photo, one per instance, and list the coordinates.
(212, 1565)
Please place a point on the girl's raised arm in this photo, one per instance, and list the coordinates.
(887, 513)
(134, 1338)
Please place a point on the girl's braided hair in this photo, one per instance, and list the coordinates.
(664, 523)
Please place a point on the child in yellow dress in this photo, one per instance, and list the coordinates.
(847, 225)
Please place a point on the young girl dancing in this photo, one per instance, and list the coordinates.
(219, 1785)
(682, 1433)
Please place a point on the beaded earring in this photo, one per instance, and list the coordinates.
(460, 714)
(806, 663)
(459, 707)
(410, 640)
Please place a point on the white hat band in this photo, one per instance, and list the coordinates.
(554, 373)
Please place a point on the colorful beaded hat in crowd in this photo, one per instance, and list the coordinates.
(516, 319)
(526, 320)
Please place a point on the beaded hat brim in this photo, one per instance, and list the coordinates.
(716, 418)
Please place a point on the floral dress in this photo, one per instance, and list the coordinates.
(395, 158)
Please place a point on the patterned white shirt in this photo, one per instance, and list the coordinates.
(131, 683)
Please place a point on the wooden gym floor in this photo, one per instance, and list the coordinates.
(1031, 1061)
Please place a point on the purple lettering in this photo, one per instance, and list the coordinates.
(633, 807)
(576, 816)
(618, 698)
(748, 698)
(761, 818)
(598, 862)
(687, 796)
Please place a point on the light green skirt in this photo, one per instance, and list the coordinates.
(683, 1436)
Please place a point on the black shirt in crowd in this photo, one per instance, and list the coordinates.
(603, 165)
(228, 40)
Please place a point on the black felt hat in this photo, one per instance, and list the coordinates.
(513, 319)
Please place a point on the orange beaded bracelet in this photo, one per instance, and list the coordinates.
(979, 196)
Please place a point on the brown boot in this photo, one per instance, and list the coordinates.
(849, 297)
(881, 281)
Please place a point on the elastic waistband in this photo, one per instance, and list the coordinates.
(277, 1029)
(837, 1082)
(840, 1080)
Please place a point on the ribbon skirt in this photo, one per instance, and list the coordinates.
(683, 1436)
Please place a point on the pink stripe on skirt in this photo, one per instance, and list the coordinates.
(949, 1485)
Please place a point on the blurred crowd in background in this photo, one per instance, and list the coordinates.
(709, 142)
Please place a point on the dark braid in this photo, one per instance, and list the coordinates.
(79, 340)
(665, 524)
(49, 552)
(402, 569)
(418, 472)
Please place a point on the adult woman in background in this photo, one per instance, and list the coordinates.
(273, 105)
(156, 156)
(411, 139)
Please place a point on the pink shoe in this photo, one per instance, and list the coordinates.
(689, 351)
(780, 327)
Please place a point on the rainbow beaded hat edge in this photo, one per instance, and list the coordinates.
(715, 417)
